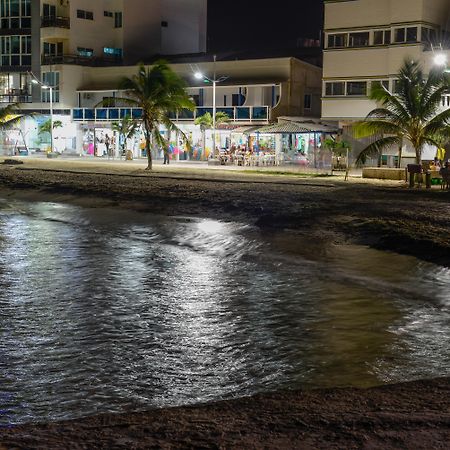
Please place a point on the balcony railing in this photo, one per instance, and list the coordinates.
(55, 21)
(15, 98)
(81, 60)
(253, 114)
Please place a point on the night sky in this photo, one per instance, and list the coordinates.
(254, 24)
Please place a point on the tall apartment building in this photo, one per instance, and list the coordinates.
(42, 35)
(366, 42)
(83, 48)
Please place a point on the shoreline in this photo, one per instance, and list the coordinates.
(385, 216)
(412, 415)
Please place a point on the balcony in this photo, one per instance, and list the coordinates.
(240, 114)
(78, 60)
(55, 22)
(55, 28)
(16, 96)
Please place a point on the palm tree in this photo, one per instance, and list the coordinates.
(126, 128)
(45, 127)
(158, 91)
(11, 115)
(410, 114)
(206, 123)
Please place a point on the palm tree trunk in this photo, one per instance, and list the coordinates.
(400, 149)
(149, 150)
(204, 144)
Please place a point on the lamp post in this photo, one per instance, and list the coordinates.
(214, 80)
(50, 88)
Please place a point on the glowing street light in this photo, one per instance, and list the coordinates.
(440, 59)
(214, 80)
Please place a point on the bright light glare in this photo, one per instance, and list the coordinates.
(198, 75)
(34, 81)
(211, 226)
(440, 59)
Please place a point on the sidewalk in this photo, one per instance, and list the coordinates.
(184, 169)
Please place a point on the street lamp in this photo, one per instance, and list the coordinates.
(35, 80)
(214, 80)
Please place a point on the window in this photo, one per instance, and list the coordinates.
(356, 88)
(15, 14)
(307, 100)
(358, 39)
(87, 15)
(48, 11)
(408, 35)
(86, 52)
(118, 20)
(108, 14)
(111, 51)
(396, 86)
(53, 49)
(428, 35)
(382, 37)
(50, 79)
(411, 34)
(15, 50)
(378, 83)
(337, 40)
(335, 88)
(164, 24)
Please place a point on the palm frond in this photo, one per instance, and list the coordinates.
(374, 149)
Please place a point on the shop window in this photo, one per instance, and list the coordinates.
(382, 37)
(335, 88)
(356, 88)
(337, 40)
(358, 39)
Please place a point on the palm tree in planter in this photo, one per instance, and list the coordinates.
(126, 129)
(206, 123)
(410, 114)
(158, 91)
(44, 128)
(11, 115)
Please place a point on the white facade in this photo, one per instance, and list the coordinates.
(367, 41)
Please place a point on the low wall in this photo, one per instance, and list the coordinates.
(383, 173)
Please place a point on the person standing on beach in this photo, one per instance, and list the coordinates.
(107, 145)
(166, 155)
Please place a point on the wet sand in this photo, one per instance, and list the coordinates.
(385, 215)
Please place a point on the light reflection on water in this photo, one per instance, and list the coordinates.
(110, 310)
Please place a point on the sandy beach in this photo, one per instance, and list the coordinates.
(381, 214)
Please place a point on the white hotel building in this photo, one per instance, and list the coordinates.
(366, 41)
(84, 47)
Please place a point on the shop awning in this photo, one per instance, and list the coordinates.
(249, 129)
(297, 128)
